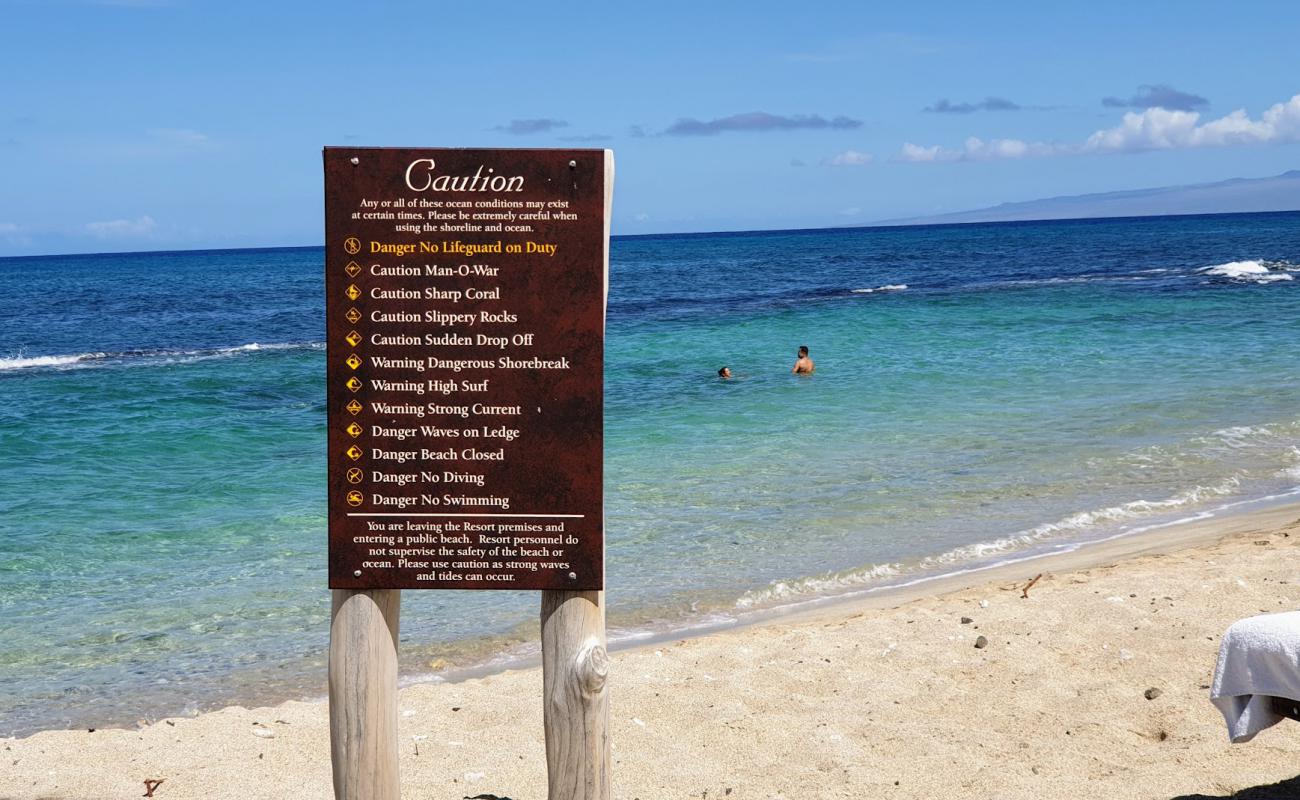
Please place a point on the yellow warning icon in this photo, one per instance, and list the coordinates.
(355, 498)
(352, 269)
(354, 407)
(355, 475)
(353, 452)
(353, 338)
(352, 244)
(352, 316)
(354, 430)
(352, 292)
(354, 383)
(353, 361)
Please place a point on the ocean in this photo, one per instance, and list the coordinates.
(983, 393)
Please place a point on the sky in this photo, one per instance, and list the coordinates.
(177, 124)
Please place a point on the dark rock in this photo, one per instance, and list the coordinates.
(981, 643)
(966, 620)
(1152, 693)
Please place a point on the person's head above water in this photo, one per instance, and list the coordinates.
(804, 366)
(724, 372)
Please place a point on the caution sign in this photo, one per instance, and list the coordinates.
(465, 310)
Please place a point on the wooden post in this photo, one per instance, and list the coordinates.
(363, 693)
(575, 701)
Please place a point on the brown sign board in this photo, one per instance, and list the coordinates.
(465, 313)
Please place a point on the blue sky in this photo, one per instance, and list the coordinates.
(166, 124)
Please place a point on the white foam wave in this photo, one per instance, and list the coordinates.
(19, 361)
(256, 347)
(1149, 275)
(1251, 271)
(1292, 471)
(1240, 435)
(781, 591)
(889, 287)
(22, 362)
(1081, 521)
(950, 562)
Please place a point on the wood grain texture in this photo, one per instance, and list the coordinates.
(575, 697)
(363, 693)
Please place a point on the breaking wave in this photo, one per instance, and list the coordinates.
(85, 360)
(1252, 271)
(889, 287)
(960, 559)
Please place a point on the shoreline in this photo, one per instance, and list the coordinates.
(519, 649)
(1205, 527)
(832, 701)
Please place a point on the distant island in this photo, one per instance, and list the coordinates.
(1237, 195)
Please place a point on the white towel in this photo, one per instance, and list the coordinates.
(1259, 659)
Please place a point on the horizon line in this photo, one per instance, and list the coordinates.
(884, 225)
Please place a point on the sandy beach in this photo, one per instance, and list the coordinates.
(886, 697)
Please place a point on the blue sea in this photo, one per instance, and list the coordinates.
(983, 393)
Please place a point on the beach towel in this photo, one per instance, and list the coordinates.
(1259, 659)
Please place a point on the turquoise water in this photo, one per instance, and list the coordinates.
(1033, 386)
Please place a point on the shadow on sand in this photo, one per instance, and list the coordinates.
(1288, 789)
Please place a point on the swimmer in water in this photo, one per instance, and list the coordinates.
(804, 366)
(724, 373)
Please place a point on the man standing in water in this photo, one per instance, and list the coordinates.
(804, 366)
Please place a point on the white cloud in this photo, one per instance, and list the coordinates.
(916, 153)
(1151, 129)
(122, 228)
(849, 158)
(976, 149)
(1159, 129)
